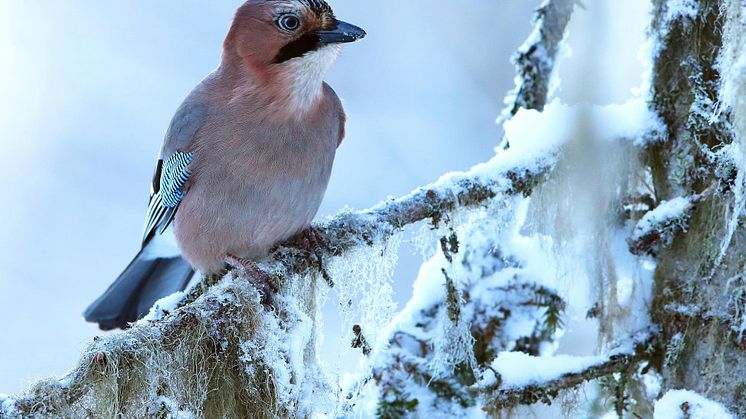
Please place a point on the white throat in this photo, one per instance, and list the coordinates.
(306, 74)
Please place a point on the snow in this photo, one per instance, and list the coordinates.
(652, 383)
(732, 63)
(534, 38)
(676, 9)
(514, 260)
(518, 369)
(532, 133)
(683, 11)
(634, 283)
(164, 306)
(671, 404)
(540, 53)
(646, 57)
(298, 337)
(7, 406)
(498, 269)
(427, 289)
(666, 214)
(667, 210)
(279, 347)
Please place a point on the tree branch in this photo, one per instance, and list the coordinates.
(659, 226)
(115, 373)
(535, 59)
(497, 397)
(229, 314)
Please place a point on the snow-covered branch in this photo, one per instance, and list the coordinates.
(514, 173)
(658, 227)
(517, 378)
(139, 370)
(535, 59)
(226, 335)
(433, 203)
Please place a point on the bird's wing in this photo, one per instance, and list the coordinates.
(342, 121)
(172, 171)
(170, 177)
(338, 111)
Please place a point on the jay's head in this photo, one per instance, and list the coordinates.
(289, 35)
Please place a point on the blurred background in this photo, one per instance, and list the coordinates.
(87, 90)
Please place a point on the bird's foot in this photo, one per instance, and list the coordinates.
(262, 281)
(314, 243)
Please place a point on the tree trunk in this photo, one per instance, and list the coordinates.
(700, 289)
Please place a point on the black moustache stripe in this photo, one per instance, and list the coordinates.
(298, 48)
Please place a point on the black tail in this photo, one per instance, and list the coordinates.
(131, 296)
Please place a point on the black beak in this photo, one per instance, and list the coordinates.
(340, 34)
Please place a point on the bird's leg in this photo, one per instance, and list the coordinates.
(262, 281)
(314, 241)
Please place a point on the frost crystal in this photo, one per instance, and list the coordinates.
(364, 288)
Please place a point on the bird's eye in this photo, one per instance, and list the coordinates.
(289, 23)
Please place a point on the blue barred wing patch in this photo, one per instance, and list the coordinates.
(168, 190)
(175, 175)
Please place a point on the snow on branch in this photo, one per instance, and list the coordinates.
(511, 174)
(490, 288)
(535, 59)
(236, 345)
(517, 378)
(472, 300)
(658, 227)
(133, 373)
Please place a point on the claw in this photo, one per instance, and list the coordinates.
(314, 242)
(262, 281)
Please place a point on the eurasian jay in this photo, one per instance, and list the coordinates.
(246, 159)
